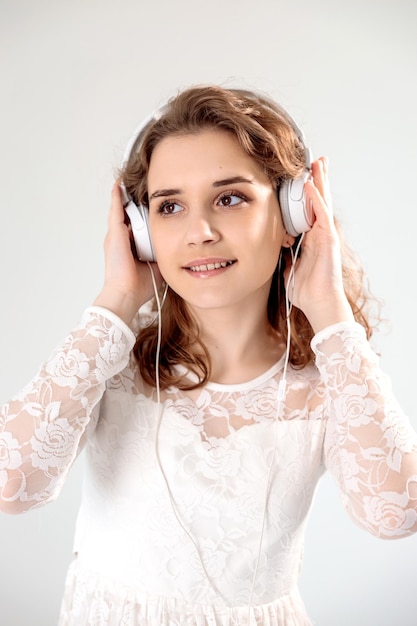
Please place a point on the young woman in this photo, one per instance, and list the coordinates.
(209, 418)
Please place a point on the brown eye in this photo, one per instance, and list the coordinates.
(231, 199)
(169, 208)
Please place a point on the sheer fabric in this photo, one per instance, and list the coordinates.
(194, 507)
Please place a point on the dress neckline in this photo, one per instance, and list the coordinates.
(244, 386)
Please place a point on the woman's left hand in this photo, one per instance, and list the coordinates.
(318, 284)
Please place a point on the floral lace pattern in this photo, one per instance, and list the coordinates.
(43, 428)
(194, 507)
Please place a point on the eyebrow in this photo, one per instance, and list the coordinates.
(231, 181)
(218, 183)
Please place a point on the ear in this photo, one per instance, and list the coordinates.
(288, 241)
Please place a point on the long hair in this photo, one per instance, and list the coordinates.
(265, 133)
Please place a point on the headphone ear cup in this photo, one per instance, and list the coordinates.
(283, 199)
(139, 221)
(296, 216)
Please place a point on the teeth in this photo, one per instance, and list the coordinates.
(209, 266)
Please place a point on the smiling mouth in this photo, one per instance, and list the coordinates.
(209, 266)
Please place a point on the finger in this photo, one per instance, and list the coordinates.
(320, 169)
(321, 209)
(116, 213)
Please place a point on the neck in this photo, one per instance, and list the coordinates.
(240, 341)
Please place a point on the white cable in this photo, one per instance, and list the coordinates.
(160, 303)
(158, 427)
(280, 396)
(158, 316)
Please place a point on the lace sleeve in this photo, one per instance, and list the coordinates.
(370, 446)
(43, 428)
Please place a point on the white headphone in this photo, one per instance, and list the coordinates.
(296, 216)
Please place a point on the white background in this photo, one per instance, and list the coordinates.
(76, 77)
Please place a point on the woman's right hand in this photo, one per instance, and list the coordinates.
(127, 281)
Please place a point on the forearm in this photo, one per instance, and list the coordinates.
(43, 428)
(370, 446)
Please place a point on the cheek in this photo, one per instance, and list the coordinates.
(161, 242)
(166, 257)
(268, 234)
(269, 245)
(268, 261)
(162, 256)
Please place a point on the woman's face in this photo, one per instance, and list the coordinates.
(214, 219)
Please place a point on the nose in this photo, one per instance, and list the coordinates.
(201, 228)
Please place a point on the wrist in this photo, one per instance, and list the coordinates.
(124, 305)
(329, 313)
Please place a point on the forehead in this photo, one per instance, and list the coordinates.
(208, 153)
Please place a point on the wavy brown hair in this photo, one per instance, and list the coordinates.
(266, 134)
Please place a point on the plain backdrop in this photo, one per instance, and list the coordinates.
(76, 77)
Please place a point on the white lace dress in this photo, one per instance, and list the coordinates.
(179, 491)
